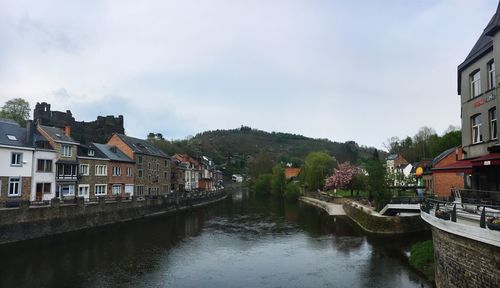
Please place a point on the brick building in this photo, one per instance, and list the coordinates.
(120, 171)
(445, 178)
(152, 170)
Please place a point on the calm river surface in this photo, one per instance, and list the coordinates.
(241, 242)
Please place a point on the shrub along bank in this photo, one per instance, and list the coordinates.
(422, 258)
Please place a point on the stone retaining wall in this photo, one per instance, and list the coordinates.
(373, 222)
(22, 223)
(463, 262)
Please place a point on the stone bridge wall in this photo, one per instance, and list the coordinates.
(463, 262)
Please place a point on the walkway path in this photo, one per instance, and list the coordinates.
(330, 208)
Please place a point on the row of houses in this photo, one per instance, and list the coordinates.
(436, 177)
(39, 163)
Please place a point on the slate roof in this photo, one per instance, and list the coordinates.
(111, 152)
(83, 151)
(392, 156)
(57, 134)
(141, 146)
(442, 155)
(483, 45)
(8, 127)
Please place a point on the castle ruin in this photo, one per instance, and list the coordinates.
(98, 131)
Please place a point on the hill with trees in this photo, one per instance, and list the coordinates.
(235, 149)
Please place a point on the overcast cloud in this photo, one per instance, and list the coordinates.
(342, 70)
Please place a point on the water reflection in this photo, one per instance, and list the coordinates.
(243, 242)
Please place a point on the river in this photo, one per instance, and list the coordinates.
(241, 242)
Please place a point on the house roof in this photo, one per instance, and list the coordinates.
(83, 151)
(291, 172)
(111, 152)
(11, 133)
(464, 166)
(141, 146)
(443, 155)
(483, 45)
(392, 156)
(57, 134)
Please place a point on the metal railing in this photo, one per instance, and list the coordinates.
(448, 210)
(181, 198)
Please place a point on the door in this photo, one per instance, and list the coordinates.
(39, 192)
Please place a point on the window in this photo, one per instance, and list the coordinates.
(15, 186)
(476, 129)
(43, 187)
(149, 165)
(67, 190)
(101, 170)
(100, 189)
(139, 189)
(83, 190)
(491, 75)
(66, 150)
(129, 172)
(493, 123)
(84, 169)
(475, 84)
(117, 171)
(16, 159)
(91, 152)
(117, 189)
(44, 165)
(166, 163)
(129, 189)
(139, 159)
(11, 137)
(166, 175)
(139, 173)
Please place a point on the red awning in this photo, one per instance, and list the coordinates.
(487, 160)
(461, 166)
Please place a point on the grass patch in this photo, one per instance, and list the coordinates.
(422, 258)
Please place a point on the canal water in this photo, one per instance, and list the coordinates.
(241, 242)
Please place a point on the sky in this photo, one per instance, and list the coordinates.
(341, 70)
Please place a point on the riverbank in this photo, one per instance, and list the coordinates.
(331, 208)
(368, 219)
(25, 222)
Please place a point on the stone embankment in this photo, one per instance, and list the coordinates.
(368, 219)
(371, 221)
(331, 208)
(28, 222)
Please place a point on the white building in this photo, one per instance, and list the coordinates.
(16, 162)
(43, 186)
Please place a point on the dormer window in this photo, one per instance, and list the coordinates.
(91, 152)
(12, 137)
(475, 84)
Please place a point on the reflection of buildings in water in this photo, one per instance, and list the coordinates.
(238, 196)
(191, 225)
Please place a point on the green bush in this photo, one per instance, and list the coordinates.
(262, 185)
(422, 258)
(292, 191)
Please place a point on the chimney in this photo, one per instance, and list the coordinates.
(67, 131)
(30, 133)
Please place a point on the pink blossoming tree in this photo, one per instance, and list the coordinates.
(342, 176)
